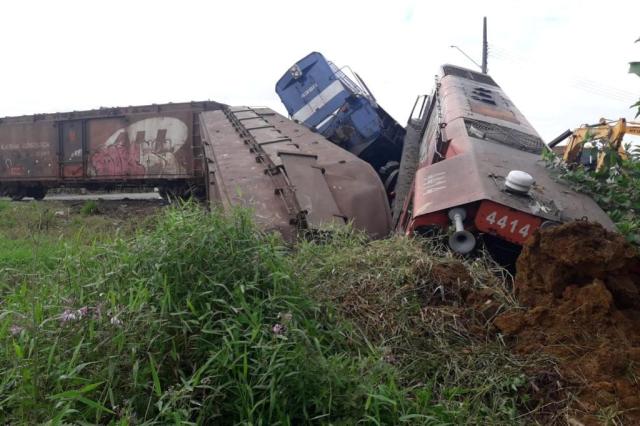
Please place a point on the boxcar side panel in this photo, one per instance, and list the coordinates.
(141, 146)
(28, 151)
(148, 145)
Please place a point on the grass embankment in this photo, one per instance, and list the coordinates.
(35, 236)
(202, 319)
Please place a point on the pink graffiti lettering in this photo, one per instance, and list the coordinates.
(146, 147)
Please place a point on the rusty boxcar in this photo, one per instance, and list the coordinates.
(139, 146)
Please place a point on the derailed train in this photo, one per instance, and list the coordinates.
(479, 169)
(467, 159)
(470, 160)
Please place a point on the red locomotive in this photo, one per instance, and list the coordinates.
(478, 168)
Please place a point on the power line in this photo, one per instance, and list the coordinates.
(577, 81)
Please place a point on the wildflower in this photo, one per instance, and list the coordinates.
(68, 315)
(82, 312)
(115, 321)
(279, 329)
(16, 330)
(72, 315)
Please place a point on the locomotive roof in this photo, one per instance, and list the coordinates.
(448, 69)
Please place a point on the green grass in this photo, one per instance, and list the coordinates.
(35, 236)
(430, 314)
(201, 319)
(89, 207)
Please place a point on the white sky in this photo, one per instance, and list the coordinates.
(563, 63)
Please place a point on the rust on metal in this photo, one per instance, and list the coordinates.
(293, 179)
(474, 137)
(132, 145)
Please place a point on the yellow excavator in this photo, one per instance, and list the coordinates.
(587, 144)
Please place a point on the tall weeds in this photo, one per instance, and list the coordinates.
(199, 320)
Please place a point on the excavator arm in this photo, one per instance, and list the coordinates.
(633, 129)
(611, 135)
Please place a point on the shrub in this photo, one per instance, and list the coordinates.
(616, 189)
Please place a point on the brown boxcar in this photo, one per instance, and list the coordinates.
(139, 146)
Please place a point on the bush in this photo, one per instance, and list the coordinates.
(199, 320)
(616, 189)
(431, 316)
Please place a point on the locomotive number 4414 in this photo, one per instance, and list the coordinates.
(510, 224)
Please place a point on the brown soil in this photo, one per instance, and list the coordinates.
(581, 288)
(447, 283)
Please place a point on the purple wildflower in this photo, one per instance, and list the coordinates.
(16, 330)
(279, 329)
(72, 315)
(68, 315)
(82, 312)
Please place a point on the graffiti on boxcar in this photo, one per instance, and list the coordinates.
(24, 159)
(146, 147)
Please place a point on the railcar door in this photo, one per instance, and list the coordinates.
(72, 149)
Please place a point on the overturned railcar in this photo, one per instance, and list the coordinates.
(294, 179)
(478, 168)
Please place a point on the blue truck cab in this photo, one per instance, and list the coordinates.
(322, 97)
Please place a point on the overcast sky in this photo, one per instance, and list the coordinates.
(562, 62)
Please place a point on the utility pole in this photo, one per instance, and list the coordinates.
(485, 45)
(485, 48)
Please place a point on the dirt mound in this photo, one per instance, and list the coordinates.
(581, 288)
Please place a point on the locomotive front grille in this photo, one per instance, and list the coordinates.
(504, 135)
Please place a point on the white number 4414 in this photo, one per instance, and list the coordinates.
(505, 223)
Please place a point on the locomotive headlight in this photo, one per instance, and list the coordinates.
(296, 72)
(519, 181)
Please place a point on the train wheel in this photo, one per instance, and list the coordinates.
(17, 194)
(197, 192)
(164, 193)
(37, 193)
(389, 175)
